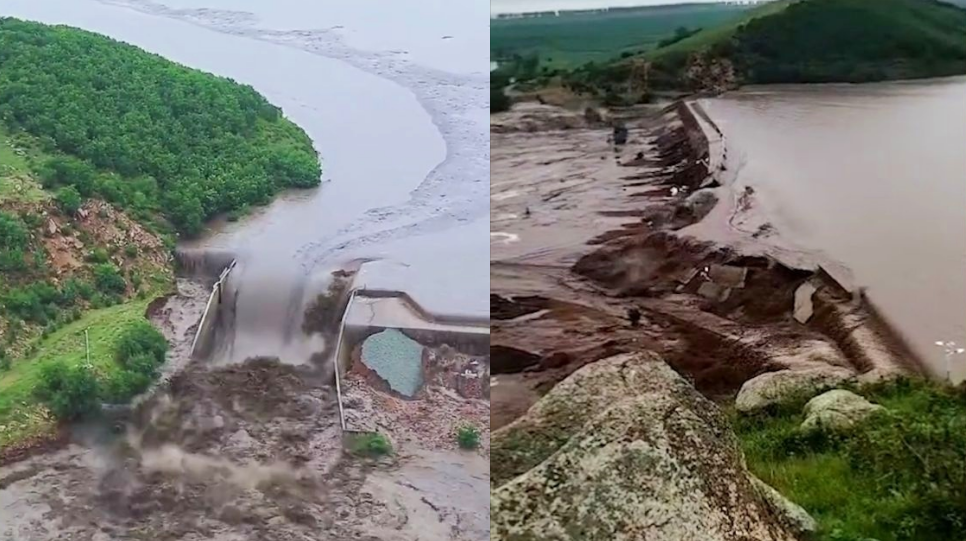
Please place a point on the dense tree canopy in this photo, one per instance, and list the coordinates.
(144, 132)
(852, 40)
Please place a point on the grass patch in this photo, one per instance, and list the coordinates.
(16, 181)
(468, 437)
(368, 444)
(899, 476)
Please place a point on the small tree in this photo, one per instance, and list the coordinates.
(69, 392)
(140, 370)
(69, 199)
(140, 339)
(108, 279)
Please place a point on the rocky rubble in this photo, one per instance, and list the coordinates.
(625, 449)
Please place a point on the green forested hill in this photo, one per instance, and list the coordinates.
(854, 40)
(143, 132)
(834, 40)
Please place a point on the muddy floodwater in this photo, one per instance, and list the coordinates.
(872, 177)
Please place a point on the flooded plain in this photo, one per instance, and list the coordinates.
(869, 176)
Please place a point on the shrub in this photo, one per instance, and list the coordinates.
(108, 280)
(98, 255)
(369, 444)
(468, 437)
(13, 242)
(136, 280)
(102, 300)
(35, 303)
(74, 289)
(131, 250)
(140, 339)
(5, 362)
(136, 378)
(69, 392)
(123, 386)
(68, 199)
(68, 171)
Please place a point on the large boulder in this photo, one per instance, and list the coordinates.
(625, 449)
(837, 410)
(773, 387)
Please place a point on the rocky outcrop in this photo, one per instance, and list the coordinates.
(625, 449)
(837, 410)
(773, 387)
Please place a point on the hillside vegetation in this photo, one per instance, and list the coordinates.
(143, 132)
(107, 151)
(815, 41)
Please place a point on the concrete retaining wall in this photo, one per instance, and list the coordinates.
(204, 337)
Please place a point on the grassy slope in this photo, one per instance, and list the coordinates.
(573, 39)
(710, 36)
(20, 416)
(837, 481)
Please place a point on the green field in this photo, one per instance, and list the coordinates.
(575, 38)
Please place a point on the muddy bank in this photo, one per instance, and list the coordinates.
(592, 256)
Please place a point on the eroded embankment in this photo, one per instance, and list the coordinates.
(628, 279)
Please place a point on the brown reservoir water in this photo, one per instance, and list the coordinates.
(872, 177)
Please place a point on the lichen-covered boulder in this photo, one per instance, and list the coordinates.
(625, 449)
(773, 387)
(788, 511)
(837, 410)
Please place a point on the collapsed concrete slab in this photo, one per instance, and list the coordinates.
(803, 302)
